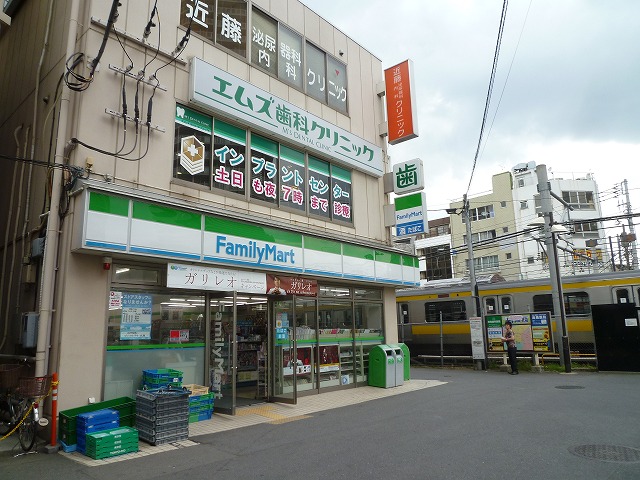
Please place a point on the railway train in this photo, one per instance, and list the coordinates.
(442, 308)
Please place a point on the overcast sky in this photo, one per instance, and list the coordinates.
(571, 99)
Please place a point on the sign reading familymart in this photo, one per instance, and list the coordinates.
(214, 88)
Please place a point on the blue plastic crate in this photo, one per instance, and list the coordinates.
(99, 416)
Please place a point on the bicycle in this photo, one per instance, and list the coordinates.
(19, 404)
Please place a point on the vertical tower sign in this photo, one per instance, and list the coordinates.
(402, 116)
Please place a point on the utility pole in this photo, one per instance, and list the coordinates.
(554, 267)
(632, 231)
(472, 269)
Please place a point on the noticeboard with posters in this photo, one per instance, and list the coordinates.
(532, 332)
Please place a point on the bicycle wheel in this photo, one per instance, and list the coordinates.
(27, 432)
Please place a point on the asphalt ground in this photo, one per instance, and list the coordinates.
(455, 424)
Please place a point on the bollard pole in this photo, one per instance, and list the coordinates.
(54, 409)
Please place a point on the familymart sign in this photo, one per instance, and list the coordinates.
(114, 223)
(411, 214)
(216, 89)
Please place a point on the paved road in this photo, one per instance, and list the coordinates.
(480, 425)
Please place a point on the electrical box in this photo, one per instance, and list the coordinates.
(29, 330)
(37, 247)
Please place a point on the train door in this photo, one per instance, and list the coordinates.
(495, 304)
(490, 305)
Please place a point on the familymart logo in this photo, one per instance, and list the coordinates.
(252, 250)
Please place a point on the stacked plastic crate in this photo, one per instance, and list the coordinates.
(67, 425)
(110, 443)
(160, 378)
(162, 415)
(200, 403)
(92, 422)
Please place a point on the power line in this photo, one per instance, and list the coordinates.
(491, 80)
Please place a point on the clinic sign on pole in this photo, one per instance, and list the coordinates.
(402, 118)
(411, 214)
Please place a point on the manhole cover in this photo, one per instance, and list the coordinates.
(569, 387)
(607, 453)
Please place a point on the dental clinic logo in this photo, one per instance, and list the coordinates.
(192, 155)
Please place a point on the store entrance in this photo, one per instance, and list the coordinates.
(238, 350)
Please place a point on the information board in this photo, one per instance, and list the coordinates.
(532, 332)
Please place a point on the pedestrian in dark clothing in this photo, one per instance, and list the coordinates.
(510, 338)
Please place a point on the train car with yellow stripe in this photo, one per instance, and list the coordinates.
(436, 315)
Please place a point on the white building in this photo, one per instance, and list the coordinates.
(584, 248)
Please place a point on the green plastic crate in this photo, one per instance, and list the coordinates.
(126, 407)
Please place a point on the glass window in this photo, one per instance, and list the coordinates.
(264, 169)
(453, 310)
(319, 185)
(231, 30)
(142, 318)
(341, 194)
(264, 39)
(506, 304)
(574, 303)
(229, 151)
(290, 61)
(200, 16)
(622, 295)
(292, 179)
(579, 200)
(135, 275)
(490, 304)
(316, 73)
(337, 84)
(334, 291)
(192, 146)
(367, 293)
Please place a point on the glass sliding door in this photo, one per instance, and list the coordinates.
(286, 366)
(306, 341)
(223, 352)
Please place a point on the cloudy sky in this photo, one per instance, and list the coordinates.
(566, 91)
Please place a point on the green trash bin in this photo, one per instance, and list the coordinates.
(382, 367)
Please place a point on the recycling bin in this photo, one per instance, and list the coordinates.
(382, 366)
(398, 371)
(406, 360)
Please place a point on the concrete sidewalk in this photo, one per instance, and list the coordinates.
(273, 413)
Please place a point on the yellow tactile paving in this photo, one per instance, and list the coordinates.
(273, 413)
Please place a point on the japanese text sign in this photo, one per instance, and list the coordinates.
(401, 102)
(217, 89)
(218, 279)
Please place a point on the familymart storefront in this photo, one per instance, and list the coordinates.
(255, 313)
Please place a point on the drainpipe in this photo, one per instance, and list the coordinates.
(6, 239)
(49, 266)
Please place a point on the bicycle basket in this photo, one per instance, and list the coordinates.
(9, 376)
(34, 386)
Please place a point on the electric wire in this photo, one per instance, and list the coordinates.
(490, 89)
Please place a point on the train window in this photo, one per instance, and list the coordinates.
(505, 304)
(577, 303)
(404, 311)
(451, 311)
(574, 303)
(490, 305)
(622, 295)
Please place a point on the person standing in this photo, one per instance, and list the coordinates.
(510, 338)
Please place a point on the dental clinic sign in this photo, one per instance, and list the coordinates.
(216, 89)
(411, 214)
